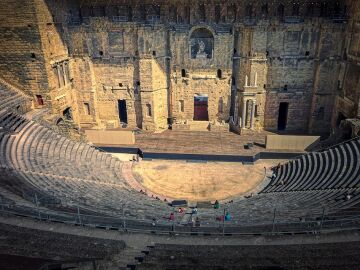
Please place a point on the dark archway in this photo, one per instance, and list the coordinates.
(67, 113)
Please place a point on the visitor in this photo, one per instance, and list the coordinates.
(172, 217)
(227, 216)
(197, 222)
(181, 210)
(194, 211)
(153, 223)
(216, 204)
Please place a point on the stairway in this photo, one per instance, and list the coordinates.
(199, 125)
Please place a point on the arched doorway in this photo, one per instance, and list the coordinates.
(67, 113)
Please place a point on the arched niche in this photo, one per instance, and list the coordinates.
(201, 44)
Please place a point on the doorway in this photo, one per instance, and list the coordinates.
(122, 111)
(283, 115)
(201, 108)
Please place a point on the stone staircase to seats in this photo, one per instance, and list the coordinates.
(13, 98)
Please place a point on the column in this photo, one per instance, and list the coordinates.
(65, 75)
(59, 76)
(243, 118)
(252, 119)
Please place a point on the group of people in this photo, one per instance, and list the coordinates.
(195, 220)
(152, 195)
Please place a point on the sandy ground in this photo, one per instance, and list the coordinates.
(200, 181)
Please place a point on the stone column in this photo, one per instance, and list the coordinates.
(64, 72)
(243, 118)
(60, 82)
(252, 119)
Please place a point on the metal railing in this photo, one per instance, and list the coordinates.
(315, 224)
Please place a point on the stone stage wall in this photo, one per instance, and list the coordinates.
(246, 57)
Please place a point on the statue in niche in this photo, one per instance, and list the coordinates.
(201, 54)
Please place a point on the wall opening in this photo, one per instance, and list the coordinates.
(201, 108)
(221, 105)
(202, 13)
(39, 100)
(323, 9)
(148, 110)
(283, 115)
(87, 108)
(187, 14)
(249, 11)
(183, 73)
(219, 73)
(281, 11)
(217, 13)
(265, 10)
(122, 111)
(67, 113)
(181, 106)
(296, 9)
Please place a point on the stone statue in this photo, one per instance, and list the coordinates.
(201, 52)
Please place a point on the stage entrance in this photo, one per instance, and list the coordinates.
(283, 115)
(122, 111)
(201, 108)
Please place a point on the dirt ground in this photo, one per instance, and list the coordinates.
(200, 181)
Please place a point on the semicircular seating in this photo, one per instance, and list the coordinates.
(36, 160)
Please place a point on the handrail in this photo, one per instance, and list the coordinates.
(317, 226)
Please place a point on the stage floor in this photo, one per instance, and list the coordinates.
(199, 142)
(208, 181)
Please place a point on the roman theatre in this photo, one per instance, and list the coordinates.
(176, 134)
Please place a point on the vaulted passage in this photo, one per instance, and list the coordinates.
(201, 108)
(122, 111)
(283, 115)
